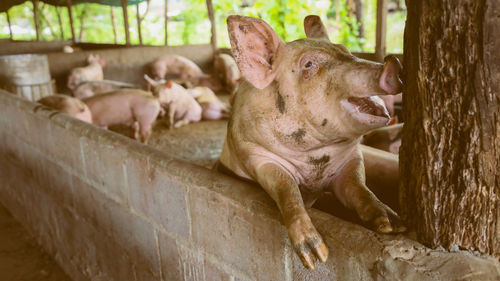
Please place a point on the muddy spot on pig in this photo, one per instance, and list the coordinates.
(319, 165)
(298, 135)
(280, 103)
(319, 161)
(324, 122)
(243, 28)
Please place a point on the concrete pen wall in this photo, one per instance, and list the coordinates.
(109, 208)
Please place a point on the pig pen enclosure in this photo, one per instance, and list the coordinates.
(106, 207)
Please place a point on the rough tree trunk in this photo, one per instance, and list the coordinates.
(125, 22)
(359, 18)
(82, 23)
(113, 23)
(59, 20)
(139, 20)
(356, 10)
(71, 22)
(213, 39)
(166, 22)
(36, 20)
(450, 158)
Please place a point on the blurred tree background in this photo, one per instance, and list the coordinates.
(349, 22)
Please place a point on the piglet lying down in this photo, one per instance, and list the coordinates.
(297, 123)
(212, 107)
(181, 106)
(88, 89)
(69, 105)
(131, 107)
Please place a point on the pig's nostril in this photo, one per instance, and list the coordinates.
(390, 80)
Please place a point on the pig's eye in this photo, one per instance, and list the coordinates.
(310, 64)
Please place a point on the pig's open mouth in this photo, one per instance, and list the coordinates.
(369, 110)
(370, 106)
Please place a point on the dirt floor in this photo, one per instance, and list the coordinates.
(198, 143)
(21, 259)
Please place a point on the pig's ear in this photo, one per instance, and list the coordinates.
(314, 28)
(255, 47)
(90, 58)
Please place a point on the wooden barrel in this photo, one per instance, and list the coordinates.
(26, 75)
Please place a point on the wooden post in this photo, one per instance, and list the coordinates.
(43, 19)
(359, 18)
(70, 13)
(139, 19)
(450, 152)
(125, 21)
(82, 23)
(213, 39)
(381, 29)
(166, 22)
(59, 20)
(10, 26)
(113, 22)
(35, 14)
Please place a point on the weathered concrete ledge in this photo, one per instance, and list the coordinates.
(9, 47)
(109, 208)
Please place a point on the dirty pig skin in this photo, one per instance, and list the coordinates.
(297, 123)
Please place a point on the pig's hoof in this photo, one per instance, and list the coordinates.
(307, 243)
(387, 221)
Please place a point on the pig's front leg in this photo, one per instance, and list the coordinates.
(181, 122)
(350, 188)
(285, 192)
(171, 115)
(162, 112)
(136, 127)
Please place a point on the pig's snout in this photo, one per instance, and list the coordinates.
(390, 80)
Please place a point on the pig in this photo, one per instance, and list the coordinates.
(181, 106)
(131, 107)
(225, 66)
(386, 138)
(91, 72)
(213, 82)
(212, 107)
(297, 123)
(88, 89)
(69, 105)
(184, 69)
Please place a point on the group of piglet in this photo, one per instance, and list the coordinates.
(188, 96)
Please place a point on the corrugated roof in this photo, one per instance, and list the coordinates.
(6, 4)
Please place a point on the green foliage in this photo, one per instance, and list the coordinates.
(189, 24)
(395, 30)
(346, 26)
(282, 15)
(370, 23)
(21, 17)
(285, 16)
(195, 23)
